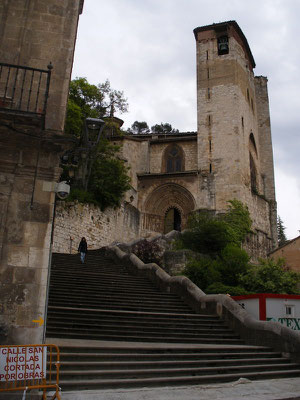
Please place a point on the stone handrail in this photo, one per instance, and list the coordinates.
(254, 332)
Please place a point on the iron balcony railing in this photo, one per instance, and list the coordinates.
(24, 89)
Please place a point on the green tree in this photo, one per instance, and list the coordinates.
(163, 128)
(138, 128)
(270, 277)
(108, 180)
(282, 239)
(100, 178)
(95, 101)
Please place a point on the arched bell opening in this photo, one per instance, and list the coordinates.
(172, 220)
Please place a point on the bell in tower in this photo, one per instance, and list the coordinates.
(223, 47)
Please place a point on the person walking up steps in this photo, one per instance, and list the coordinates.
(82, 248)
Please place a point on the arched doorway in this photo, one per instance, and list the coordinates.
(166, 208)
(172, 220)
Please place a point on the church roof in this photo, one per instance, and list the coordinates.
(160, 137)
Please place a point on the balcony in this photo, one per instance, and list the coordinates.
(24, 90)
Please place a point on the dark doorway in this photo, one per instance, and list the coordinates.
(172, 220)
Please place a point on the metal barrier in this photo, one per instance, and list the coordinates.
(24, 89)
(27, 367)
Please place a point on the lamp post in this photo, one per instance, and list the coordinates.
(93, 128)
(91, 134)
(92, 131)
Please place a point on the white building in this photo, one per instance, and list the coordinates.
(282, 308)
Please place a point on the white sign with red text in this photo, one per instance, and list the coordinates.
(20, 363)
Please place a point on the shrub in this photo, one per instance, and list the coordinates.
(238, 219)
(82, 196)
(206, 235)
(202, 272)
(148, 252)
(270, 277)
(218, 287)
(232, 262)
(210, 234)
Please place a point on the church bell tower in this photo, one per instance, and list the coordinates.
(234, 135)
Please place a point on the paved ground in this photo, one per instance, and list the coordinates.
(283, 389)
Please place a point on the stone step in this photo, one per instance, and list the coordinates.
(101, 287)
(184, 364)
(82, 281)
(103, 319)
(81, 384)
(171, 372)
(115, 299)
(127, 336)
(107, 288)
(121, 306)
(133, 314)
(172, 356)
(97, 264)
(156, 339)
(130, 327)
(164, 349)
(84, 291)
(70, 267)
(89, 264)
(90, 275)
(57, 290)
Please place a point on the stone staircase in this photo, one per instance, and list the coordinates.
(133, 335)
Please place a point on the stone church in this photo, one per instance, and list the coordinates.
(230, 155)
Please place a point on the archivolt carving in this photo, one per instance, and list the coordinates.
(167, 196)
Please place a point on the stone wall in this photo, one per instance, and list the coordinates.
(100, 228)
(27, 174)
(32, 33)
(291, 254)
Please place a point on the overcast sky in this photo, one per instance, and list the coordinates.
(146, 48)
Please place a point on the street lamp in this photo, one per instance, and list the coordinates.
(93, 128)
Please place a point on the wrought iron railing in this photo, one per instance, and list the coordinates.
(24, 89)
